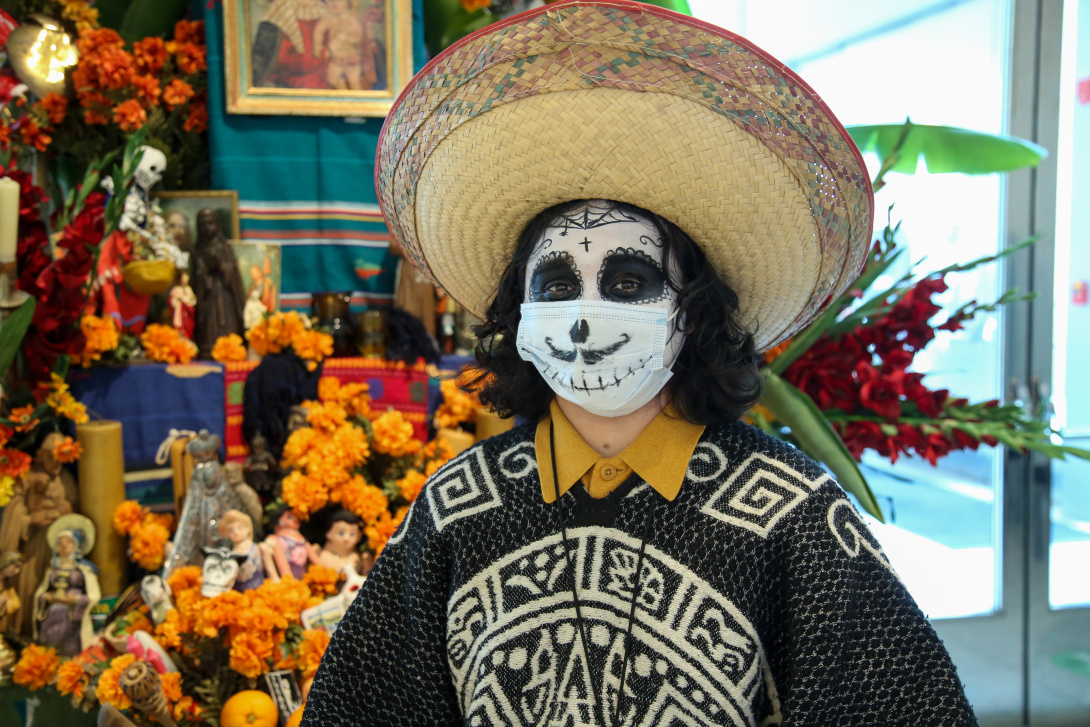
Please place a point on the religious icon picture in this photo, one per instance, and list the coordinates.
(259, 265)
(179, 210)
(316, 57)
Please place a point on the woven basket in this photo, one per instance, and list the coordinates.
(149, 277)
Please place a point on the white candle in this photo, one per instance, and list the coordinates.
(9, 218)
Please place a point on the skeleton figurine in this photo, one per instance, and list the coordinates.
(156, 594)
(208, 498)
(140, 218)
(219, 571)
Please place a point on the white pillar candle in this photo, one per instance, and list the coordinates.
(9, 218)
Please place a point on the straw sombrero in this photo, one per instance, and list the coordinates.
(625, 101)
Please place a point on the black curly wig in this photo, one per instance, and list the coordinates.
(715, 375)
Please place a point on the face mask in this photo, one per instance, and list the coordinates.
(608, 358)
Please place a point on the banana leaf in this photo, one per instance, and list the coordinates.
(948, 149)
(817, 438)
(145, 18)
(11, 335)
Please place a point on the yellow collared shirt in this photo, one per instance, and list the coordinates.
(660, 456)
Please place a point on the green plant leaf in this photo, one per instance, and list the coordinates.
(817, 438)
(111, 13)
(145, 18)
(948, 149)
(678, 6)
(11, 335)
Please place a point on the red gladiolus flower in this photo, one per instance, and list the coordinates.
(879, 393)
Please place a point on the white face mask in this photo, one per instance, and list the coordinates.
(599, 318)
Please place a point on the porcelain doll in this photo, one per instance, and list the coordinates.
(209, 497)
(291, 551)
(342, 538)
(258, 565)
(63, 601)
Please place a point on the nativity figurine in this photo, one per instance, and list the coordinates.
(238, 527)
(217, 283)
(65, 597)
(208, 498)
(291, 551)
(342, 539)
(42, 495)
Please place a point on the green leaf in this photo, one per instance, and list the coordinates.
(111, 13)
(948, 149)
(678, 6)
(817, 438)
(145, 18)
(11, 335)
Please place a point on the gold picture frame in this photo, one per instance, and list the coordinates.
(364, 57)
(188, 204)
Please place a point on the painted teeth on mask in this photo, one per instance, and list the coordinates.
(552, 372)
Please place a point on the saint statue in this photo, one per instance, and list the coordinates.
(65, 597)
(217, 283)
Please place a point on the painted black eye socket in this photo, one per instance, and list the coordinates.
(555, 279)
(631, 276)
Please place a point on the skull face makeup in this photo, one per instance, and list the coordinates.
(598, 317)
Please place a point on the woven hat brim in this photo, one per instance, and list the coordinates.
(624, 101)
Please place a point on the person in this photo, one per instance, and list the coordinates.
(343, 34)
(640, 231)
(217, 284)
(70, 589)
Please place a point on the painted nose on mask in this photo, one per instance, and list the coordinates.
(580, 331)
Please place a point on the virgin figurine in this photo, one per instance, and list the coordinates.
(209, 497)
(217, 283)
(63, 601)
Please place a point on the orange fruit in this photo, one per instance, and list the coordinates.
(296, 718)
(249, 708)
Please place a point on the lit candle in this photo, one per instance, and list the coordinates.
(9, 218)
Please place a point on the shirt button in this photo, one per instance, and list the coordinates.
(609, 472)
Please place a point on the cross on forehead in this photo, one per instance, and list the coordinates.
(586, 244)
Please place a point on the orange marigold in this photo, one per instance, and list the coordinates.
(172, 685)
(109, 689)
(23, 418)
(189, 31)
(229, 348)
(321, 581)
(190, 57)
(35, 136)
(92, 40)
(313, 345)
(326, 417)
(393, 435)
(457, 407)
(355, 399)
(379, 533)
(55, 106)
(148, 544)
(130, 116)
(165, 344)
(198, 117)
(366, 501)
(112, 68)
(411, 484)
(150, 54)
(72, 679)
(176, 93)
(5, 136)
(186, 578)
(304, 494)
(147, 90)
(328, 386)
(67, 450)
(311, 649)
(66, 406)
(37, 667)
(14, 463)
(302, 444)
(251, 653)
(350, 444)
(475, 5)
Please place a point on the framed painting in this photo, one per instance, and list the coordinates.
(180, 213)
(316, 57)
(259, 265)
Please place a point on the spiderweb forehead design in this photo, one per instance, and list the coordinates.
(591, 216)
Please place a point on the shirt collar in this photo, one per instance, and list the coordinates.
(660, 454)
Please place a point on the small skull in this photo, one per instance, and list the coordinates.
(151, 167)
(219, 571)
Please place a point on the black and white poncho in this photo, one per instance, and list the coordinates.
(764, 600)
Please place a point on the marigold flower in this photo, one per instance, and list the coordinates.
(229, 348)
(69, 408)
(393, 435)
(72, 679)
(380, 532)
(251, 653)
(148, 544)
(127, 516)
(475, 5)
(130, 115)
(328, 386)
(67, 450)
(55, 106)
(301, 444)
(149, 55)
(321, 581)
(313, 345)
(147, 90)
(108, 690)
(23, 418)
(304, 494)
(366, 501)
(36, 136)
(350, 444)
(198, 117)
(311, 650)
(112, 68)
(172, 685)
(7, 489)
(457, 407)
(163, 343)
(93, 40)
(176, 93)
(189, 31)
(5, 136)
(326, 417)
(411, 484)
(186, 578)
(190, 57)
(37, 667)
(14, 463)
